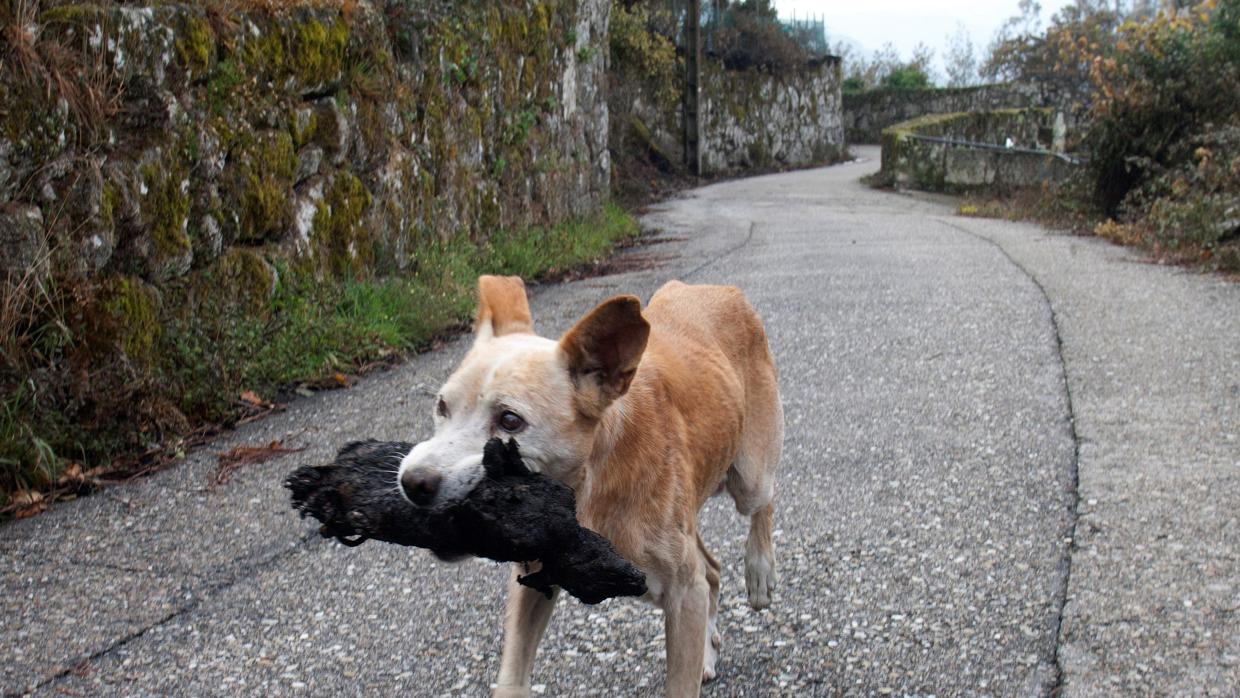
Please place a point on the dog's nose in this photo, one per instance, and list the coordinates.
(420, 484)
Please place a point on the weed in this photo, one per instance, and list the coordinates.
(27, 462)
(517, 129)
(165, 368)
(82, 78)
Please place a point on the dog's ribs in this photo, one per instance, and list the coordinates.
(511, 515)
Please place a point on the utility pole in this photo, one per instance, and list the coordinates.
(693, 73)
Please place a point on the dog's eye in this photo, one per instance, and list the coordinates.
(510, 421)
(441, 409)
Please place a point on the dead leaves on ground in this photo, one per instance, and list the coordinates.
(253, 407)
(71, 482)
(233, 459)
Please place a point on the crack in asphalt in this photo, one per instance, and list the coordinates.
(1069, 538)
(735, 248)
(245, 573)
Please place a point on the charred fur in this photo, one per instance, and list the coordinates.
(511, 515)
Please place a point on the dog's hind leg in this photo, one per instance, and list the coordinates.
(751, 482)
(760, 574)
(713, 638)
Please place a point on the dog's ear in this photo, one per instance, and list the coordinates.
(602, 352)
(502, 307)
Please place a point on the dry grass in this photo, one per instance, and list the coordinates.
(22, 297)
(83, 78)
(1121, 233)
(1054, 205)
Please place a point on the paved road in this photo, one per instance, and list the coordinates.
(947, 381)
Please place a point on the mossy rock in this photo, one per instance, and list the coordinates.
(164, 205)
(35, 128)
(243, 277)
(344, 244)
(131, 310)
(258, 187)
(195, 46)
(316, 50)
(332, 130)
(302, 124)
(303, 51)
(23, 246)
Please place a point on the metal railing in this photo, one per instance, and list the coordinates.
(994, 147)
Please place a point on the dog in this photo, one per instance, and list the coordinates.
(645, 414)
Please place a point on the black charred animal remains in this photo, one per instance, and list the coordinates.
(511, 515)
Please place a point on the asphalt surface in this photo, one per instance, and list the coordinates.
(947, 382)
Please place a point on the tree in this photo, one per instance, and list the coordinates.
(906, 78)
(885, 68)
(923, 62)
(1058, 61)
(961, 59)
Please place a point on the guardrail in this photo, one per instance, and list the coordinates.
(993, 147)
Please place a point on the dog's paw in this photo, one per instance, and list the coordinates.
(708, 666)
(711, 655)
(510, 692)
(760, 581)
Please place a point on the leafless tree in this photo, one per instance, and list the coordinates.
(960, 62)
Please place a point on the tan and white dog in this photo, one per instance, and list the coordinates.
(645, 415)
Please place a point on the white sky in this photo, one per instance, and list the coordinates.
(871, 23)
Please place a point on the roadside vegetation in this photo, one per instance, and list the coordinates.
(84, 404)
(646, 68)
(1156, 93)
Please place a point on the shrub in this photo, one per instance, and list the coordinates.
(1164, 139)
(907, 78)
(749, 35)
(639, 54)
(1194, 207)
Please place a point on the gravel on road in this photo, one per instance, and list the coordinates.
(947, 382)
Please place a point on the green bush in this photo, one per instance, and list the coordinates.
(907, 78)
(1164, 122)
(641, 55)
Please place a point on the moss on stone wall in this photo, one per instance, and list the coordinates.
(928, 165)
(868, 112)
(133, 309)
(260, 186)
(195, 46)
(240, 172)
(345, 244)
(165, 215)
(750, 120)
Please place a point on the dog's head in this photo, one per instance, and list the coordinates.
(550, 395)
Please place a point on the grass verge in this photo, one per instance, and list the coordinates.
(104, 404)
(1065, 207)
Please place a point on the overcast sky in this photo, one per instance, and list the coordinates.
(871, 23)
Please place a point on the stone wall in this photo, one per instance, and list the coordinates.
(329, 141)
(968, 151)
(758, 120)
(750, 119)
(867, 113)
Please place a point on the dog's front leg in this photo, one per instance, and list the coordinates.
(525, 619)
(685, 614)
